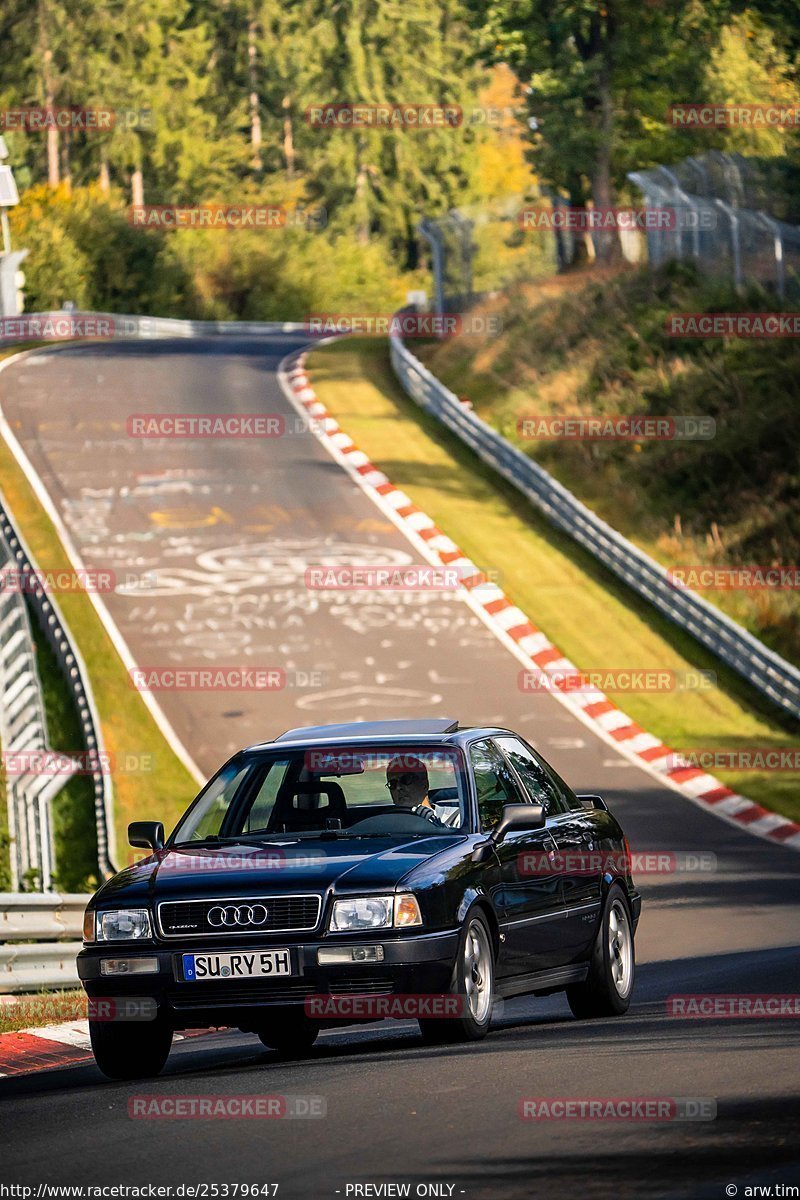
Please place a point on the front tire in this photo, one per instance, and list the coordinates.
(130, 1049)
(473, 982)
(607, 989)
(292, 1034)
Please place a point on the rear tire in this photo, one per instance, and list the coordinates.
(608, 987)
(292, 1034)
(472, 982)
(130, 1049)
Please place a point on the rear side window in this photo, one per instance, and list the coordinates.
(568, 797)
(538, 784)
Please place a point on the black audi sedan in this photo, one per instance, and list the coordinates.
(351, 872)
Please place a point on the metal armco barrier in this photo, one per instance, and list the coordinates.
(22, 725)
(28, 917)
(733, 645)
(23, 729)
(54, 326)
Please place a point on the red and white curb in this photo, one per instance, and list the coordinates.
(53, 1047)
(526, 642)
(46, 1048)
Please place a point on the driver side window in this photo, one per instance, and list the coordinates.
(537, 783)
(494, 783)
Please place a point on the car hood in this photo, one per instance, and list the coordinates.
(289, 865)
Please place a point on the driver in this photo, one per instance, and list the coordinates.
(407, 781)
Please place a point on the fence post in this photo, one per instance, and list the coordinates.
(431, 234)
(730, 213)
(688, 201)
(777, 239)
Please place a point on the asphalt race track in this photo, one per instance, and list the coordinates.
(209, 540)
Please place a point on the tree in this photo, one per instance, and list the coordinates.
(748, 66)
(34, 72)
(601, 75)
(378, 179)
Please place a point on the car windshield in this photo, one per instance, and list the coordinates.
(356, 791)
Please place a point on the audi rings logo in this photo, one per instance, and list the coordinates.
(232, 915)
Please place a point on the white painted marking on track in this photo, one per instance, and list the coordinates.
(369, 697)
(74, 1034)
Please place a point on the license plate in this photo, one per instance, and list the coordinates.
(258, 964)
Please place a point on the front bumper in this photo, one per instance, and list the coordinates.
(415, 964)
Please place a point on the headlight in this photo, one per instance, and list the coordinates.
(374, 912)
(123, 925)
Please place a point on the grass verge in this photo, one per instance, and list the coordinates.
(584, 610)
(41, 1008)
(129, 731)
(596, 344)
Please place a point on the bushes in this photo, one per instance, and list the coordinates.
(83, 249)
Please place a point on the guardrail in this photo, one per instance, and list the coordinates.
(733, 645)
(31, 794)
(55, 325)
(26, 918)
(23, 728)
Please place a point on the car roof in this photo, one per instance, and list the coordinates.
(435, 730)
(371, 729)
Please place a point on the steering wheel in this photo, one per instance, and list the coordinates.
(397, 822)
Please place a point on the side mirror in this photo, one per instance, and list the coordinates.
(518, 816)
(146, 835)
(593, 802)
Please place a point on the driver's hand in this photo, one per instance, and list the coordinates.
(422, 810)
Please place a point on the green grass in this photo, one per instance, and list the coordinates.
(42, 1008)
(584, 610)
(128, 728)
(594, 344)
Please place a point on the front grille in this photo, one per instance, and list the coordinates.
(256, 991)
(219, 996)
(284, 914)
(361, 987)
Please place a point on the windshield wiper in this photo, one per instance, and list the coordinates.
(198, 843)
(243, 839)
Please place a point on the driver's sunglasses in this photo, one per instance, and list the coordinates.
(404, 779)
